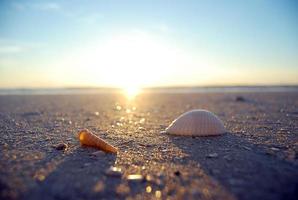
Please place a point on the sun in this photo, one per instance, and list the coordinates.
(130, 61)
(131, 92)
(134, 61)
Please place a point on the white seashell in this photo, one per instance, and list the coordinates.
(196, 123)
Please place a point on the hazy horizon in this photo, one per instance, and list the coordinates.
(152, 87)
(136, 44)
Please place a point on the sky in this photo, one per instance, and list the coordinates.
(134, 44)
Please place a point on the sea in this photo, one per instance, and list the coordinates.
(209, 89)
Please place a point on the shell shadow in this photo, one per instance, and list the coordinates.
(241, 167)
(76, 176)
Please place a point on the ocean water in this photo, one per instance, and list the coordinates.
(228, 89)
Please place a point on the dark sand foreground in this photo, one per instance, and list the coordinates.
(257, 159)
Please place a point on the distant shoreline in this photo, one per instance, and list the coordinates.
(195, 89)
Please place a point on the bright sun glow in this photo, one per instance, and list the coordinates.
(131, 92)
(129, 61)
(134, 60)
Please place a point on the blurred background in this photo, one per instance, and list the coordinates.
(158, 43)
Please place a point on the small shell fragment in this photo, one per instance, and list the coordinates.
(114, 171)
(212, 155)
(135, 177)
(196, 123)
(87, 138)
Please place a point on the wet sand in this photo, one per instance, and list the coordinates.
(256, 159)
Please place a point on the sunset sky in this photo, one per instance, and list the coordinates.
(108, 43)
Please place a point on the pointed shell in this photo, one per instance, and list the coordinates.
(196, 123)
(87, 138)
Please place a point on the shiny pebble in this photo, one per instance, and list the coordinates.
(114, 171)
(212, 155)
(158, 194)
(135, 177)
(148, 189)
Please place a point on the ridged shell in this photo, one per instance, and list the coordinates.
(196, 123)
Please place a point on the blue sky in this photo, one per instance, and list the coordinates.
(155, 43)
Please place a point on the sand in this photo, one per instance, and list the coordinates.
(41, 157)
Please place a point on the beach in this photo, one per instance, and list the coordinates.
(41, 157)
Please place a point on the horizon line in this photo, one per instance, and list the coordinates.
(152, 87)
